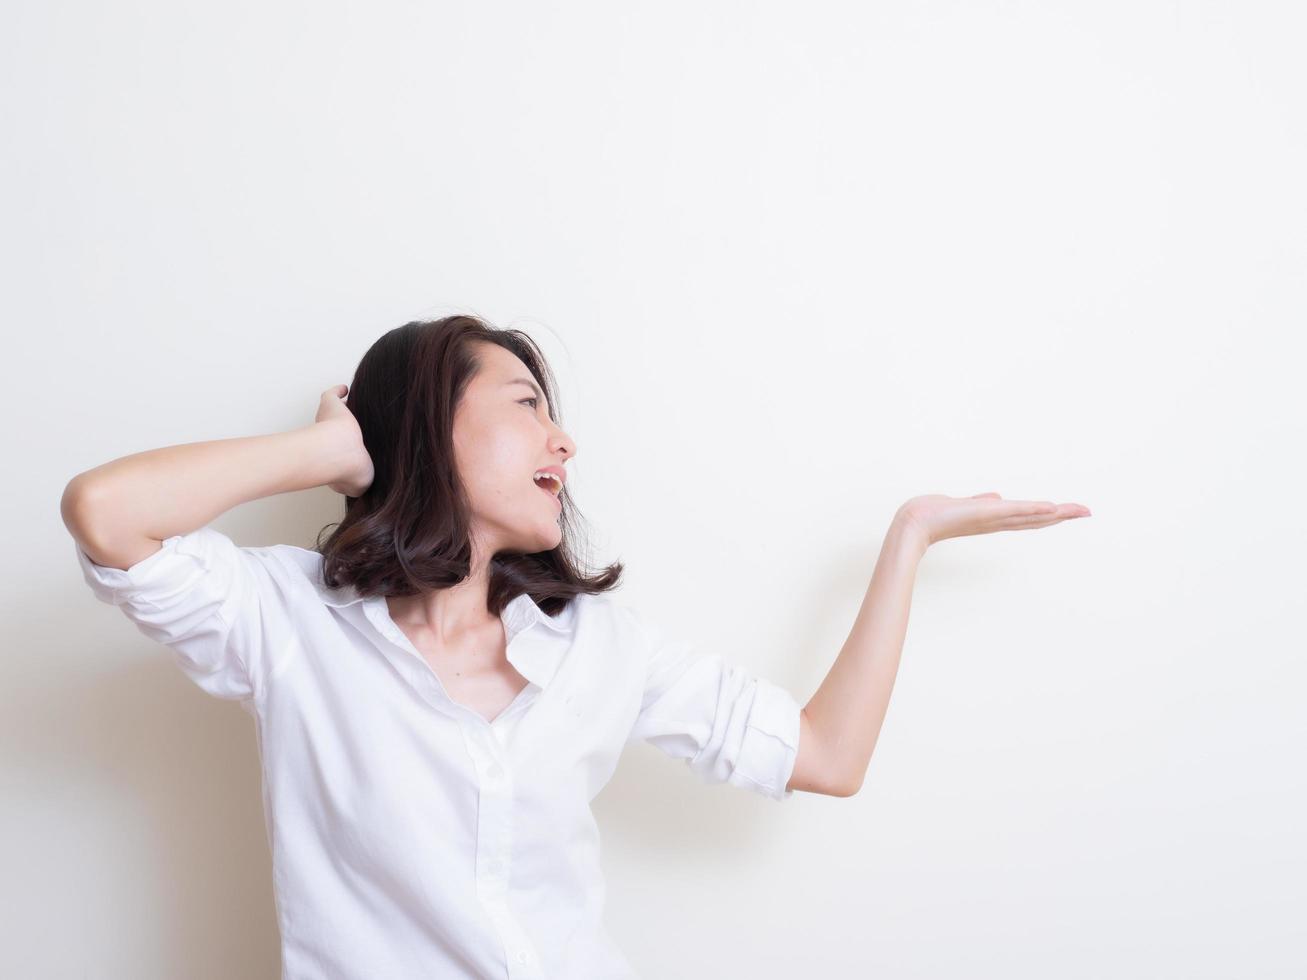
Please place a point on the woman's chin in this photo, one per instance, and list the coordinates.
(542, 539)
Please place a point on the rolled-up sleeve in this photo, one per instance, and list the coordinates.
(220, 608)
(728, 724)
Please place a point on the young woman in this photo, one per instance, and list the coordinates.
(439, 689)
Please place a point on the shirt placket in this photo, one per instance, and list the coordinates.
(495, 810)
(494, 847)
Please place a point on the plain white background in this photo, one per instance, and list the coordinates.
(793, 266)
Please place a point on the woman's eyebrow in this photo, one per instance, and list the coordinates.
(530, 384)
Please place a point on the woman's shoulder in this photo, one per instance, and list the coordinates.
(614, 611)
(593, 608)
(303, 559)
(304, 565)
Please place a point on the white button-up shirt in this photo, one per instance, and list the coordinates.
(411, 837)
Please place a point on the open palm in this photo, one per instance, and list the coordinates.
(936, 517)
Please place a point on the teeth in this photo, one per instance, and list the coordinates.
(558, 484)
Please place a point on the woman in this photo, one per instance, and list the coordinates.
(439, 689)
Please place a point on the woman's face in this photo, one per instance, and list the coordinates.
(502, 435)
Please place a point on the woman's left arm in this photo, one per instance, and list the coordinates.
(840, 724)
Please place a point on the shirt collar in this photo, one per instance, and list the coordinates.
(536, 662)
(517, 615)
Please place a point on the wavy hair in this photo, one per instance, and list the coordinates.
(409, 531)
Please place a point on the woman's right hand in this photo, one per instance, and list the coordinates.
(356, 470)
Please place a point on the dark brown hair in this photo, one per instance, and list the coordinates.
(409, 532)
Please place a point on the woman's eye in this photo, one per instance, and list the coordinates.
(534, 401)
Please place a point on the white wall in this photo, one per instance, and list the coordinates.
(807, 262)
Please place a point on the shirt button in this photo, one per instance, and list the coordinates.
(522, 957)
(495, 865)
(495, 771)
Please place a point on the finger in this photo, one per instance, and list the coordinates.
(1024, 508)
(1068, 510)
(1062, 510)
(1030, 510)
(1020, 522)
(977, 496)
(1025, 523)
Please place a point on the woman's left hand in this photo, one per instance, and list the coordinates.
(936, 517)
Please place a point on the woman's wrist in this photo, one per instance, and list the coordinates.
(346, 465)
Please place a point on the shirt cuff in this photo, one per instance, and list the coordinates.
(133, 585)
(771, 742)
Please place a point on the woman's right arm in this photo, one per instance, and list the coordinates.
(120, 512)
